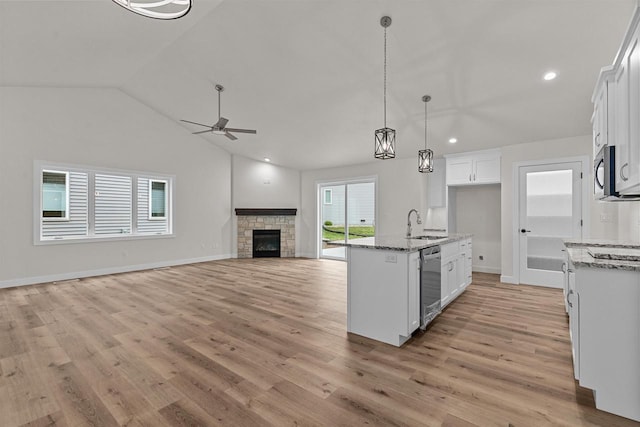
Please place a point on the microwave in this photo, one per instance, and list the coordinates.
(604, 174)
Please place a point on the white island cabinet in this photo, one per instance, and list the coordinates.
(383, 284)
(383, 294)
(603, 299)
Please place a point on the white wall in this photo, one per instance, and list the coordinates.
(478, 212)
(400, 188)
(263, 185)
(105, 128)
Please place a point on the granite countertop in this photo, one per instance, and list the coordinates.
(396, 243)
(583, 257)
(607, 243)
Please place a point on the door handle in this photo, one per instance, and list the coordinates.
(569, 302)
(523, 231)
(622, 173)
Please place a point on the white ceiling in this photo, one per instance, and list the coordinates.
(308, 74)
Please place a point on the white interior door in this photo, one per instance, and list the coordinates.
(550, 210)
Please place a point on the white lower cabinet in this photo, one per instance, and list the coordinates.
(455, 269)
(604, 319)
(383, 294)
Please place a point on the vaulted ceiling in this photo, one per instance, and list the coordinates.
(308, 74)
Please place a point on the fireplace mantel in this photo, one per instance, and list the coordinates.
(266, 211)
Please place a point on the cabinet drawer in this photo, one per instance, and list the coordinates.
(449, 250)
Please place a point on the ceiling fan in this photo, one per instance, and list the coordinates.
(220, 127)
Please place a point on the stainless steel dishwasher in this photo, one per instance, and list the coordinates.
(430, 292)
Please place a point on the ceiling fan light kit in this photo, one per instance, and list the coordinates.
(425, 157)
(157, 9)
(385, 138)
(220, 127)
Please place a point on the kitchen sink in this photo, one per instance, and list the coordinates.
(427, 237)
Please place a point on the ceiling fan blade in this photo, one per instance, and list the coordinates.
(222, 122)
(202, 131)
(195, 123)
(231, 137)
(241, 130)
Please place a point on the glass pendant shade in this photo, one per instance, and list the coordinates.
(385, 144)
(425, 161)
(425, 157)
(158, 9)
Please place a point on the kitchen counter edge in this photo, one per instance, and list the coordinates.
(402, 244)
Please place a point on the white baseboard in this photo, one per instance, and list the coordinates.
(481, 269)
(305, 255)
(508, 279)
(101, 272)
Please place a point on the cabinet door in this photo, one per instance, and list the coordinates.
(468, 264)
(634, 114)
(622, 127)
(459, 171)
(573, 300)
(600, 119)
(486, 170)
(447, 283)
(413, 309)
(437, 185)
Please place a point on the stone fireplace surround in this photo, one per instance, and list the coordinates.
(250, 219)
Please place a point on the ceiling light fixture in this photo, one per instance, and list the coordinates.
(425, 157)
(550, 75)
(385, 138)
(157, 9)
(453, 140)
(266, 159)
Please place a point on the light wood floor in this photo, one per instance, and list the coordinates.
(263, 342)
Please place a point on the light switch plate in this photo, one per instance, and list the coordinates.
(391, 258)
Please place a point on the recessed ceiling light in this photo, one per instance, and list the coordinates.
(550, 75)
(266, 159)
(453, 140)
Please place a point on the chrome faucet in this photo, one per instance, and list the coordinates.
(418, 221)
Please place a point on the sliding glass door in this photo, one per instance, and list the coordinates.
(347, 213)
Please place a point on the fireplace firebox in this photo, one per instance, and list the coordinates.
(266, 243)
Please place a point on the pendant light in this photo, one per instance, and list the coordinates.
(385, 138)
(425, 157)
(157, 9)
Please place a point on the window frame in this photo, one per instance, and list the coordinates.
(150, 216)
(67, 187)
(328, 191)
(91, 171)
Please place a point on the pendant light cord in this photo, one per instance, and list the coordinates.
(385, 77)
(425, 125)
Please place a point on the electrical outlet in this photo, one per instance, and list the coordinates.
(605, 217)
(391, 258)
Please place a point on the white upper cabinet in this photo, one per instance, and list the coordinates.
(616, 113)
(600, 118)
(478, 167)
(437, 186)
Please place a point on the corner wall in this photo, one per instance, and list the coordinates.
(263, 185)
(105, 128)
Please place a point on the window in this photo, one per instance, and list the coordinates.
(55, 195)
(157, 199)
(328, 196)
(79, 203)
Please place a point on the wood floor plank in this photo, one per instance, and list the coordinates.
(263, 342)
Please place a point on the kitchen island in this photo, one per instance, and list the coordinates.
(602, 296)
(383, 282)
